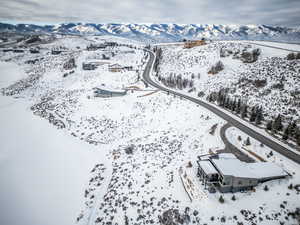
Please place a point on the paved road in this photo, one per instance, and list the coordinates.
(252, 133)
(232, 148)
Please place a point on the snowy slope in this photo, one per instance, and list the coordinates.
(84, 172)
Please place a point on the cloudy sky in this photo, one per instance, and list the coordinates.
(272, 12)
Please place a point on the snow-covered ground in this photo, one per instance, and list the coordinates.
(43, 171)
(68, 157)
(278, 95)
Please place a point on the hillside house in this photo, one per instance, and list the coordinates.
(194, 43)
(118, 68)
(110, 43)
(106, 93)
(18, 50)
(89, 66)
(34, 51)
(228, 174)
(94, 47)
(55, 52)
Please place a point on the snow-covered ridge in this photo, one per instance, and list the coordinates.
(166, 32)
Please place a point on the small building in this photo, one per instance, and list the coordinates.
(34, 51)
(89, 66)
(229, 174)
(115, 68)
(94, 47)
(55, 52)
(7, 50)
(105, 93)
(110, 43)
(18, 50)
(118, 68)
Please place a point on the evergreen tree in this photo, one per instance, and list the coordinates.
(269, 125)
(293, 127)
(248, 141)
(233, 106)
(286, 133)
(297, 135)
(210, 98)
(221, 199)
(227, 102)
(219, 97)
(244, 111)
(253, 114)
(238, 106)
(259, 116)
(277, 125)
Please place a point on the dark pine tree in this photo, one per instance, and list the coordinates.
(259, 116)
(233, 106)
(238, 106)
(253, 114)
(248, 141)
(244, 111)
(277, 125)
(269, 125)
(286, 133)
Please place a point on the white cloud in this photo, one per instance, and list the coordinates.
(274, 12)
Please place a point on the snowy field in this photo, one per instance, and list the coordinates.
(68, 157)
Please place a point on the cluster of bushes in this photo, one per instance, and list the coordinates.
(158, 54)
(219, 66)
(238, 106)
(291, 131)
(70, 64)
(250, 57)
(255, 115)
(246, 56)
(292, 56)
(176, 81)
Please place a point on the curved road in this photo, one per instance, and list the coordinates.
(249, 131)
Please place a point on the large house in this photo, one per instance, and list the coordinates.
(228, 174)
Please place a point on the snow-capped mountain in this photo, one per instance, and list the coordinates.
(165, 32)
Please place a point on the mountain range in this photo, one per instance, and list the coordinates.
(164, 32)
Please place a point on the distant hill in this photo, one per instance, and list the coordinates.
(165, 32)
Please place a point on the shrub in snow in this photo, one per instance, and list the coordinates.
(250, 57)
(233, 198)
(213, 129)
(129, 149)
(248, 141)
(266, 188)
(223, 219)
(261, 145)
(201, 94)
(239, 138)
(221, 199)
(260, 83)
